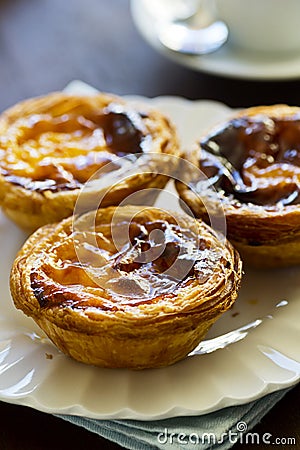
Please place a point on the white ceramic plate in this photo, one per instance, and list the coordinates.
(227, 61)
(251, 351)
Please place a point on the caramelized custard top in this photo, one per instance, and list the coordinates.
(122, 266)
(255, 159)
(60, 152)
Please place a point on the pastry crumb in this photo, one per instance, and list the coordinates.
(49, 356)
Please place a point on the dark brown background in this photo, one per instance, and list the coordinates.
(46, 43)
(43, 45)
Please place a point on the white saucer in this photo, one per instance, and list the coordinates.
(251, 351)
(227, 61)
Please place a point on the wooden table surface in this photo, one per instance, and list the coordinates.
(43, 45)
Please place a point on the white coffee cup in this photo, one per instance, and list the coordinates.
(270, 26)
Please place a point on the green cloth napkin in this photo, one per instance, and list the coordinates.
(217, 430)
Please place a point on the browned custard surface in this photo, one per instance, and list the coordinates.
(120, 266)
(62, 148)
(255, 160)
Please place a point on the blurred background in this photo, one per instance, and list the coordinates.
(46, 43)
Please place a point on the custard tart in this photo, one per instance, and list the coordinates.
(50, 147)
(251, 167)
(132, 287)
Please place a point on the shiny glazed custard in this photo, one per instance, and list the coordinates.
(62, 151)
(255, 160)
(51, 146)
(120, 265)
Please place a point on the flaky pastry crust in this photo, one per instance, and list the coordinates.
(130, 286)
(259, 189)
(50, 147)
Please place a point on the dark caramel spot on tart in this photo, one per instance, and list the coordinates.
(122, 131)
(255, 160)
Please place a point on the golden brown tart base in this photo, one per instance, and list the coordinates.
(252, 162)
(50, 147)
(138, 289)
